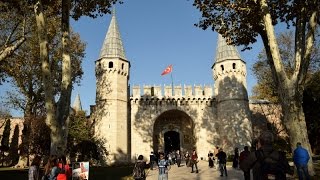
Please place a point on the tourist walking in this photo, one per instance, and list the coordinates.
(300, 159)
(152, 160)
(194, 161)
(222, 160)
(173, 155)
(34, 172)
(216, 151)
(235, 162)
(164, 167)
(266, 161)
(169, 157)
(178, 158)
(139, 169)
(210, 159)
(187, 159)
(243, 155)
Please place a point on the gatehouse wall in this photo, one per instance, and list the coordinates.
(149, 102)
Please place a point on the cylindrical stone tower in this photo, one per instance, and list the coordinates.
(229, 73)
(111, 115)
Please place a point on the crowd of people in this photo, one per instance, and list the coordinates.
(56, 168)
(163, 162)
(264, 162)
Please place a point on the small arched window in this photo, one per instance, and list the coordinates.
(110, 64)
(234, 65)
(222, 68)
(122, 66)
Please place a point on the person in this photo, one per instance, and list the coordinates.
(243, 155)
(178, 158)
(51, 169)
(33, 172)
(139, 169)
(211, 159)
(164, 167)
(300, 159)
(174, 158)
(266, 161)
(187, 158)
(216, 163)
(169, 157)
(235, 161)
(152, 160)
(222, 159)
(194, 161)
(65, 171)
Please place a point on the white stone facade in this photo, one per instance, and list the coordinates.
(190, 117)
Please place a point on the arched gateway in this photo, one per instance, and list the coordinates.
(173, 130)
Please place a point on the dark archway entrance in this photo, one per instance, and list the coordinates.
(171, 141)
(173, 130)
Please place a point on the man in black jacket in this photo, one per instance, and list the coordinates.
(222, 160)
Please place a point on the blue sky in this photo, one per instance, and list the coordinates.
(154, 34)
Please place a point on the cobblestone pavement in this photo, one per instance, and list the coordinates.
(205, 173)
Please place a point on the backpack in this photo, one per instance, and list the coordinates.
(273, 163)
(138, 171)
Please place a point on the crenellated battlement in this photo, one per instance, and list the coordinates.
(179, 91)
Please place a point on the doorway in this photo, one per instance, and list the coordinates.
(171, 141)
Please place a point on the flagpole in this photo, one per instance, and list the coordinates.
(172, 84)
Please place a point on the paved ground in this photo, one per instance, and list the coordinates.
(205, 173)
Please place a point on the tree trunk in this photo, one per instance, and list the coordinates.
(295, 123)
(63, 107)
(46, 77)
(289, 89)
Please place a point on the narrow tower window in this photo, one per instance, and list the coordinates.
(234, 65)
(222, 68)
(122, 66)
(110, 64)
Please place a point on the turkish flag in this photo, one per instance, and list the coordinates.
(167, 70)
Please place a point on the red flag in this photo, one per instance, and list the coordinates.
(167, 70)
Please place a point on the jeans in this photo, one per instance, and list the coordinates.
(163, 176)
(194, 163)
(223, 169)
(303, 171)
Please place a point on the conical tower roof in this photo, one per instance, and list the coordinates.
(77, 104)
(112, 45)
(225, 51)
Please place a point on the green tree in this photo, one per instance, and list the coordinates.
(6, 134)
(24, 70)
(311, 104)
(80, 139)
(242, 21)
(57, 112)
(58, 118)
(4, 146)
